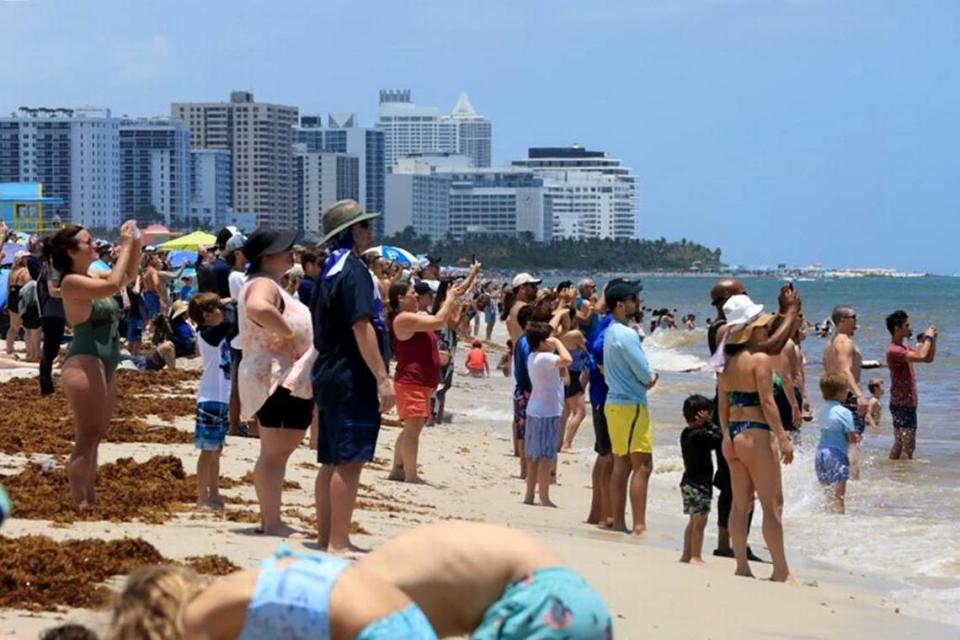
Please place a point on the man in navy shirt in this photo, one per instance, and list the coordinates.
(350, 379)
(523, 387)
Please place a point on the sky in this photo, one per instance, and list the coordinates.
(793, 131)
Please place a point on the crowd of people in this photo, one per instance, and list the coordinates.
(328, 339)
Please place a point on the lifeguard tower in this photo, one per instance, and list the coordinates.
(21, 207)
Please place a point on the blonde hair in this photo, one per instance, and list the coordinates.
(832, 384)
(152, 602)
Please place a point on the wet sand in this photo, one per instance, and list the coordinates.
(472, 476)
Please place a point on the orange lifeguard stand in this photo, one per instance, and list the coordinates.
(22, 207)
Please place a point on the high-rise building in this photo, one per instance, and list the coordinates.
(474, 132)
(342, 135)
(594, 196)
(211, 185)
(73, 153)
(409, 128)
(322, 179)
(155, 171)
(259, 136)
(442, 195)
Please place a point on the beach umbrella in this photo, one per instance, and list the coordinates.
(395, 254)
(100, 265)
(190, 241)
(177, 258)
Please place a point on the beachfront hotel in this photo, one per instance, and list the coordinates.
(594, 195)
(323, 178)
(259, 137)
(73, 153)
(211, 188)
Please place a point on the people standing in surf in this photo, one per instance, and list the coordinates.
(837, 450)
(842, 356)
(754, 441)
(89, 372)
(789, 303)
(629, 377)
(601, 508)
(874, 408)
(698, 442)
(350, 380)
(903, 382)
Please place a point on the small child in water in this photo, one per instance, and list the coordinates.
(217, 325)
(837, 449)
(874, 408)
(698, 441)
(490, 582)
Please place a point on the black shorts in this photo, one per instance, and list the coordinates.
(575, 388)
(283, 411)
(602, 443)
(904, 417)
(348, 430)
(860, 422)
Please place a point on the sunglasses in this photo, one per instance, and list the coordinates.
(364, 224)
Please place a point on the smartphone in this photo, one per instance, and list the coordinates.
(441, 296)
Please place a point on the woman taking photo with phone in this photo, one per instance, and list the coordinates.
(88, 374)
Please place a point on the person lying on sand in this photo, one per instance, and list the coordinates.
(292, 596)
(488, 581)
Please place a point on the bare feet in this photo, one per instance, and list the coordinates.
(350, 550)
(639, 529)
(784, 577)
(548, 503)
(283, 531)
(697, 561)
(214, 505)
(397, 474)
(566, 449)
(746, 573)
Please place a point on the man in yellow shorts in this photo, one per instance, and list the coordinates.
(629, 376)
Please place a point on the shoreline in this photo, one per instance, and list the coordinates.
(645, 586)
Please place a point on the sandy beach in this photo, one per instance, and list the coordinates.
(473, 476)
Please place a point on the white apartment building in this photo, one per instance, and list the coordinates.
(322, 179)
(593, 195)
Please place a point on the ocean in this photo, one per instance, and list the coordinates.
(903, 518)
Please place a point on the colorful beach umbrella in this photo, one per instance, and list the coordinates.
(190, 241)
(395, 254)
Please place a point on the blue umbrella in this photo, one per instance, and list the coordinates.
(177, 258)
(395, 254)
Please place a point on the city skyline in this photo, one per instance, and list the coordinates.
(739, 119)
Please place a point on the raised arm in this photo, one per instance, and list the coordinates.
(84, 287)
(565, 359)
(790, 305)
(927, 351)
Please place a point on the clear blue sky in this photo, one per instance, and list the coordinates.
(780, 130)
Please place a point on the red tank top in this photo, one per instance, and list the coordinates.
(418, 359)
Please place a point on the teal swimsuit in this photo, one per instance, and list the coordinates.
(98, 335)
(744, 399)
(293, 603)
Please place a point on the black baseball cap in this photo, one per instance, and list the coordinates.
(266, 242)
(620, 289)
(422, 287)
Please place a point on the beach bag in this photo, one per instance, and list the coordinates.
(29, 309)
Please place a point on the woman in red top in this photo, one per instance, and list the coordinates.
(414, 340)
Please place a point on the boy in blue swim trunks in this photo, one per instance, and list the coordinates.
(488, 581)
(838, 440)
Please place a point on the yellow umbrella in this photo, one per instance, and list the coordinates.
(190, 241)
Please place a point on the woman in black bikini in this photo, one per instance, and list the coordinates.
(750, 421)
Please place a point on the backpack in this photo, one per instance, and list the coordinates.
(29, 308)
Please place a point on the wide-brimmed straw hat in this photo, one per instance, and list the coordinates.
(741, 333)
(342, 215)
(178, 309)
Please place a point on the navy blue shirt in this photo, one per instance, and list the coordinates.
(521, 353)
(598, 385)
(343, 296)
(305, 290)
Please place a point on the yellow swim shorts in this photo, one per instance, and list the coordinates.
(629, 428)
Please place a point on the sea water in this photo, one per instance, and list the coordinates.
(903, 518)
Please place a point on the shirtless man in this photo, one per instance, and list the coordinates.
(842, 356)
(487, 581)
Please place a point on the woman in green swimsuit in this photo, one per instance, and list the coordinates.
(88, 372)
(752, 432)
